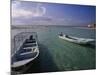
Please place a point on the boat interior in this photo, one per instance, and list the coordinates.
(26, 51)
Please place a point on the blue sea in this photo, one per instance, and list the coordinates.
(60, 55)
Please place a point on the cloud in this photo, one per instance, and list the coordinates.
(18, 11)
(22, 15)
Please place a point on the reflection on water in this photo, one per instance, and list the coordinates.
(59, 55)
(45, 62)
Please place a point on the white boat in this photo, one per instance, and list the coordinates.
(28, 52)
(77, 40)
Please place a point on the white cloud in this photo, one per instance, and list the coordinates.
(18, 12)
(20, 15)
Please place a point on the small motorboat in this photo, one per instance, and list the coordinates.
(77, 40)
(28, 52)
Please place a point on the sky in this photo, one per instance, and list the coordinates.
(39, 13)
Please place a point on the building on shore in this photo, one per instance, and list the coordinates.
(92, 25)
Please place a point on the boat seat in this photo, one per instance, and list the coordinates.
(24, 50)
(29, 45)
(26, 53)
(30, 41)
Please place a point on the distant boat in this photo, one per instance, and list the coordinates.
(28, 52)
(77, 40)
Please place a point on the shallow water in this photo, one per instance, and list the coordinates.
(59, 55)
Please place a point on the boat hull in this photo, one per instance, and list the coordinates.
(24, 68)
(82, 42)
(27, 53)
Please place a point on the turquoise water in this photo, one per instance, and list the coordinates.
(59, 55)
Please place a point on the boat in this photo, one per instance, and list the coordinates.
(27, 53)
(77, 40)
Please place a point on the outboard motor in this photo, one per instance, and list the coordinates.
(31, 37)
(61, 34)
